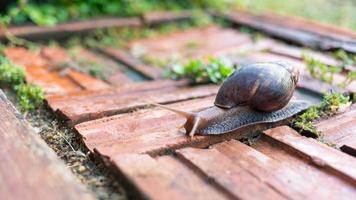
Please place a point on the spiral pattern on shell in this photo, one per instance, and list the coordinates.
(264, 87)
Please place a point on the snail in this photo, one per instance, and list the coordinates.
(255, 93)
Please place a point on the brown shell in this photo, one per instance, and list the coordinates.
(262, 86)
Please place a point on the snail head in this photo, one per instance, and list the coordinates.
(193, 121)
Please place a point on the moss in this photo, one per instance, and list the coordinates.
(330, 144)
(320, 70)
(10, 74)
(325, 73)
(304, 122)
(191, 44)
(331, 103)
(346, 58)
(97, 72)
(29, 97)
(13, 77)
(154, 61)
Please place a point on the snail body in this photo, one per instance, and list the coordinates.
(255, 93)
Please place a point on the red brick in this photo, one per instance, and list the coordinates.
(285, 170)
(340, 130)
(330, 159)
(127, 59)
(238, 181)
(55, 55)
(305, 34)
(165, 16)
(23, 57)
(40, 70)
(59, 56)
(29, 169)
(163, 178)
(216, 42)
(87, 82)
(111, 70)
(132, 125)
(116, 103)
(308, 175)
(153, 131)
(299, 52)
(51, 81)
(58, 101)
(308, 25)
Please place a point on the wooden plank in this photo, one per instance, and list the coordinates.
(310, 175)
(145, 121)
(58, 101)
(61, 31)
(299, 52)
(29, 169)
(162, 178)
(87, 82)
(239, 182)
(158, 17)
(119, 78)
(38, 73)
(332, 160)
(50, 81)
(309, 25)
(125, 58)
(296, 180)
(188, 44)
(55, 55)
(116, 103)
(41, 70)
(340, 130)
(23, 57)
(82, 59)
(113, 72)
(154, 131)
(309, 37)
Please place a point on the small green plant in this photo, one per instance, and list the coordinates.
(13, 77)
(214, 70)
(304, 122)
(154, 61)
(97, 72)
(346, 58)
(29, 96)
(351, 76)
(331, 103)
(326, 73)
(320, 70)
(254, 35)
(10, 75)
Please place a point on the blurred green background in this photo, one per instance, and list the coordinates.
(50, 12)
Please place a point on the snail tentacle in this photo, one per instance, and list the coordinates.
(195, 126)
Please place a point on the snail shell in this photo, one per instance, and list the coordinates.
(262, 86)
(253, 94)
